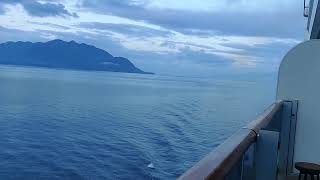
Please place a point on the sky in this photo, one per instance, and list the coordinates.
(176, 37)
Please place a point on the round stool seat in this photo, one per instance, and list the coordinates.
(310, 169)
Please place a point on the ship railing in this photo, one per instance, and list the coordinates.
(262, 150)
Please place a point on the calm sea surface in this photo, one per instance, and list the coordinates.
(60, 124)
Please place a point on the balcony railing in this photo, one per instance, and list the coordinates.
(261, 150)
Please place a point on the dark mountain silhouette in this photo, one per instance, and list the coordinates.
(62, 54)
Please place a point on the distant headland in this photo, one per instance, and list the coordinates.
(64, 55)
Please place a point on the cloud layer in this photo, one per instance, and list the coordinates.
(39, 9)
(188, 37)
(236, 22)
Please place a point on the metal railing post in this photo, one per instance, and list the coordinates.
(287, 138)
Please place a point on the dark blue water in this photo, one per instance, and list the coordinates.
(59, 124)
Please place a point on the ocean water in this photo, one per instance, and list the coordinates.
(62, 124)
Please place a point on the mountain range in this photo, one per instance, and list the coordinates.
(64, 55)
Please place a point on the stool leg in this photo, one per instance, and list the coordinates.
(312, 176)
(318, 178)
(305, 176)
(299, 176)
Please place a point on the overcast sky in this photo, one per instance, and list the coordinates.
(184, 37)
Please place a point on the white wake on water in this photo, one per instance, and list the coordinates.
(151, 166)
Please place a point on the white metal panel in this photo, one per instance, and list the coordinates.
(299, 79)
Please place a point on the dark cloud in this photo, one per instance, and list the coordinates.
(35, 8)
(50, 25)
(47, 9)
(128, 29)
(282, 22)
(2, 10)
(128, 5)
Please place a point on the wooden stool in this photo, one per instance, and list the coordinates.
(308, 169)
